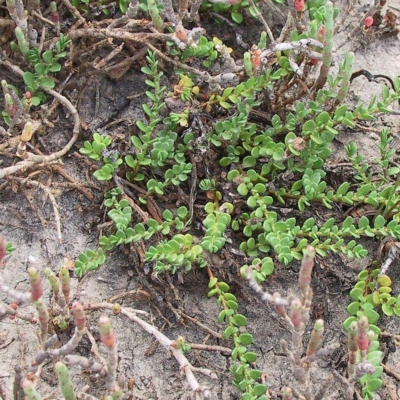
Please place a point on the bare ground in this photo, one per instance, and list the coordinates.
(27, 220)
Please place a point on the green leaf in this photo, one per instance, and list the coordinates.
(316, 138)
(355, 293)
(254, 12)
(340, 112)
(48, 56)
(237, 17)
(393, 171)
(130, 161)
(39, 68)
(379, 222)
(249, 162)
(147, 110)
(83, 258)
(55, 67)
(47, 83)
(232, 174)
(309, 126)
(301, 204)
(168, 216)
(343, 188)
(135, 140)
(353, 307)
(365, 189)
(233, 305)
(143, 127)
(28, 78)
(35, 101)
(374, 384)
(372, 316)
(223, 286)
(250, 357)
(242, 189)
(363, 222)
(182, 212)
(146, 70)
(387, 309)
(322, 118)
(260, 389)
(348, 322)
(228, 332)
(246, 339)
(225, 161)
(213, 292)
(363, 275)
(255, 374)
(221, 316)
(240, 319)
(347, 223)
(225, 105)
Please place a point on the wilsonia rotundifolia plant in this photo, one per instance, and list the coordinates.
(301, 154)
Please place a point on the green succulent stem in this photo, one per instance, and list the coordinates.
(352, 349)
(22, 42)
(30, 391)
(37, 297)
(65, 382)
(307, 264)
(65, 282)
(107, 336)
(316, 338)
(54, 283)
(73, 342)
(36, 283)
(79, 316)
(155, 14)
(328, 46)
(41, 308)
(345, 82)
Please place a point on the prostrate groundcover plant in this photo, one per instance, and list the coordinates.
(229, 159)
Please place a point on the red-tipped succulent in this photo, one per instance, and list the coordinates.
(368, 22)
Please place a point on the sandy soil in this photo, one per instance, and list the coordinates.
(27, 220)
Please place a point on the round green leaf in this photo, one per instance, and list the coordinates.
(260, 389)
(250, 357)
(47, 56)
(353, 307)
(47, 83)
(237, 17)
(55, 67)
(255, 374)
(242, 189)
(28, 78)
(240, 319)
(233, 305)
(356, 293)
(246, 339)
(379, 222)
(249, 162)
(372, 316)
(374, 384)
(35, 101)
(348, 322)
